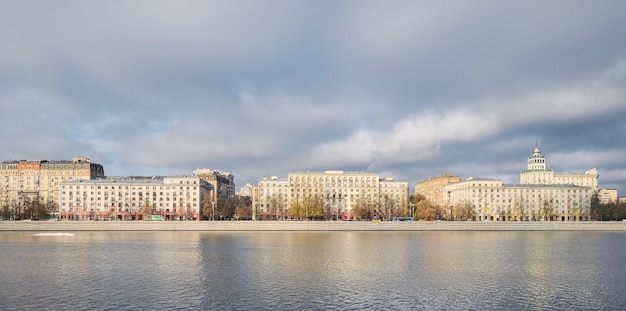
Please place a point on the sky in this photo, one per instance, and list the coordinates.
(407, 89)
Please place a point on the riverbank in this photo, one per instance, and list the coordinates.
(56, 226)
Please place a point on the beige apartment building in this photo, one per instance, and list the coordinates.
(537, 173)
(394, 196)
(541, 195)
(432, 188)
(338, 192)
(25, 182)
(133, 198)
(606, 196)
(271, 199)
(489, 199)
(222, 182)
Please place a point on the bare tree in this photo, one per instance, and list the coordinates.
(363, 209)
(243, 207)
(462, 211)
(208, 210)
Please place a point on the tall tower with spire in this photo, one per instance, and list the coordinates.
(538, 173)
(536, 161)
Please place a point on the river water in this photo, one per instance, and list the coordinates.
(313, 271)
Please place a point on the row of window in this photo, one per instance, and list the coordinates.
(71, 205)
(37, 173)
(147, 188)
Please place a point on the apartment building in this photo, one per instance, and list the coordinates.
(606, 196)
(537, 173)
(271, 198)
(394, 196)
(489, 199)
(338, 192)
(432, 188)
(133, 198)
(222, 182)
(24, 182)
(540, 195)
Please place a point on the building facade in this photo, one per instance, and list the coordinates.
(394, 196)
(540, 195)
(24, 183)
(133, 198)
(606, 196)
(537, 173)
(246, 190)
(272, 200)
(223, 183)
(432, 188)
(338, 192)
(489, 199)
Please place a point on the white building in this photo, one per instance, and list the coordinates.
(133, 198)
(489, 199)
(541, 195)
(606, 196)
(537, 173)
(272, 200)
(246, 190)
(394, 195)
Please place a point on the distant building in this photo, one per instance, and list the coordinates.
(24, 182)
(606, 196)
(537, 173)
(489, 199)
(339, 192)
(223, 183)
(246, 190)
(272, 200)
(133, 198)
(433, 188)
(394, 195)
(541, 195)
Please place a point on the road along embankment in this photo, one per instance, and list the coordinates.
(56, 226)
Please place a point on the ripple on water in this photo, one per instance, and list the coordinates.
(314, 271)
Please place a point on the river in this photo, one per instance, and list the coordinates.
(536, 270)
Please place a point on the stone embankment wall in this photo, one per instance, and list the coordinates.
(57, 226)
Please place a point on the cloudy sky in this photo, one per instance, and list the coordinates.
(408, 89)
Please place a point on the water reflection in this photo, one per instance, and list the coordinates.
(314, 270)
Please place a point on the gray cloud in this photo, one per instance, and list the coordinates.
(409, 89)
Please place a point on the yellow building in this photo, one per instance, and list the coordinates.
(24, 183)
(338, 192)
(432, 188)
(222, 182)
(606, 196)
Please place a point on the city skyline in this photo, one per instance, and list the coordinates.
(405, 89)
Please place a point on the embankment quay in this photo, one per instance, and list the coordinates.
(56, 226)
